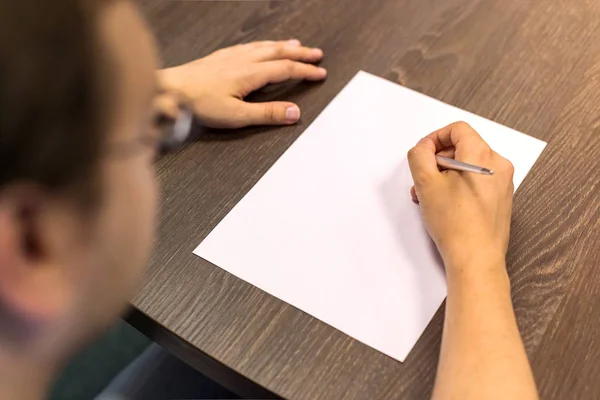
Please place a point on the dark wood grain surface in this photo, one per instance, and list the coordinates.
(533, 65)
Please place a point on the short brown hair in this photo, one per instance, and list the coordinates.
(51, 100)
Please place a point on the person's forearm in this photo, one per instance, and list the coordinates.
(482, 354)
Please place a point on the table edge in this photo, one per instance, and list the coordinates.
(196, 358)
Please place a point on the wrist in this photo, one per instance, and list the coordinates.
(481, 278)
(469, 263)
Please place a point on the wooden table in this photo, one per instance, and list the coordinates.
(533, 65)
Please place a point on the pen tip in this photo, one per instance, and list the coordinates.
(490, 171)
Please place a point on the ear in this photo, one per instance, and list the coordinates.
(32, 280)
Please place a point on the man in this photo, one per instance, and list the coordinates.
(78, 190)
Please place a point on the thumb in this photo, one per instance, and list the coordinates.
(422, 163)
(273, 113)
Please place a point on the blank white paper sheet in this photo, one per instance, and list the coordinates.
(331, 228)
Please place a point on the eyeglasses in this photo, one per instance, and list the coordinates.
(171, 128)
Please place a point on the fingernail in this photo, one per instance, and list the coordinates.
(292, 114)
(323, 71)
(317, 52)
(294, 42)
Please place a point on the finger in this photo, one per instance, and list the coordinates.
(286, 50)
(458, 135)
(421, 160)
(245, 49)
(258, 44)
(413, 194)
(448, 152)
(266, 43)
(502, 166)
(272, 113)
(167, 105)
(264, 73)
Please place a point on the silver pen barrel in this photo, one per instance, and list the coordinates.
(450, 163)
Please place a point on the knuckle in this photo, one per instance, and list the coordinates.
(240, 114)
(462, 125)
(508, 167)
(269, 113)
(264, 43)
(289, 66)
(280, 50)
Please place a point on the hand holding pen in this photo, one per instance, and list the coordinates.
(463, 210)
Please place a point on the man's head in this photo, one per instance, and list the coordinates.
(76, 211)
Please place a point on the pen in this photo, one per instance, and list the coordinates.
(449, 163)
